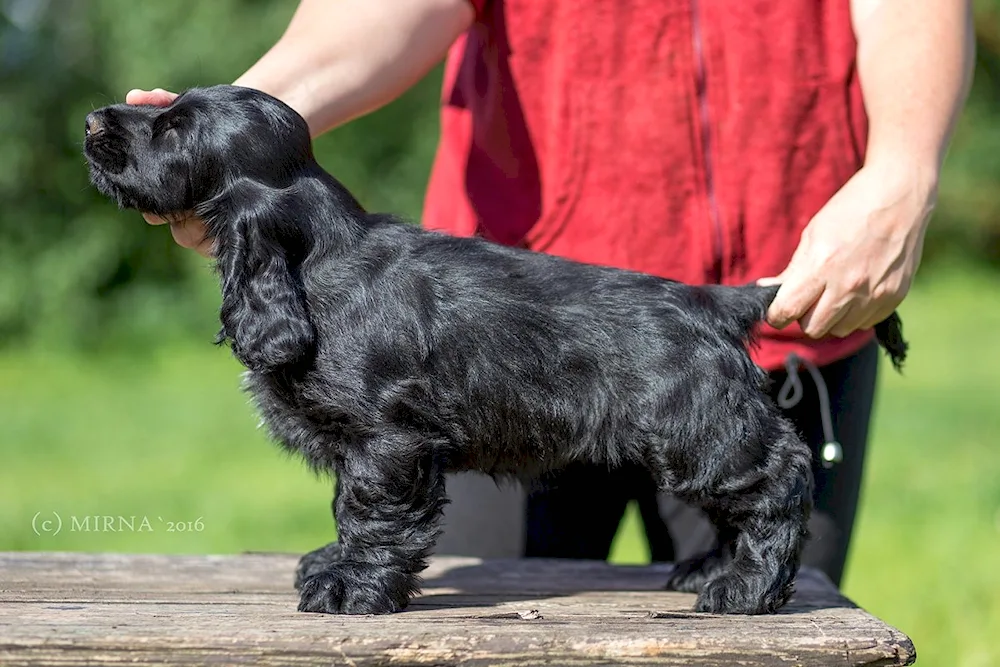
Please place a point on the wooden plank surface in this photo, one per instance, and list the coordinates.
(72, 609)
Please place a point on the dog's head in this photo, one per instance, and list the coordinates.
(243, 161)
(177, 158)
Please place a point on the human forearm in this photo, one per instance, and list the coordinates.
(858, 254)
(339, 60)
(915, 65)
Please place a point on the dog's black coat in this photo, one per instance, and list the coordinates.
(391, 355)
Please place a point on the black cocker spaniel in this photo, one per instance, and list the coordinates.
(390, 355)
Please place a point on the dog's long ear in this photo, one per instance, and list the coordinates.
(260, 249)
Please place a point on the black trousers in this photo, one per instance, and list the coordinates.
(575, 513)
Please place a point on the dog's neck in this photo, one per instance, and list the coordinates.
(312, 211)
(335, 219)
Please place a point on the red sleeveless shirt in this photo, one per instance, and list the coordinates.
(687, 139)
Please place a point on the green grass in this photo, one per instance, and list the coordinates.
(166, 434)
(927, 550)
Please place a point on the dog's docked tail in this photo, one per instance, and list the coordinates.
(748, 306)
(889, 333)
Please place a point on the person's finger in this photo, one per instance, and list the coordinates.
(795, 296)
(190, 233)
(825, 314)
(136, 96)
(770, 281)
(186, 233)
(852, 320)
(875, 318)
(206, 248)
(157, 97)
(154, 219)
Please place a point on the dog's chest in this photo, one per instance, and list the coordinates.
(301, 416)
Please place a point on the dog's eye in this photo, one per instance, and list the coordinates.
(165, 124)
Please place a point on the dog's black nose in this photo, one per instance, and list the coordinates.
(94, 124)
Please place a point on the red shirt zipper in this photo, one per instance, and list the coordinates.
(706, 139)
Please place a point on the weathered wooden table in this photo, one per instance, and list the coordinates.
(74, 609)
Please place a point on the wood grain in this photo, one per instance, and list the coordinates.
(72, 609)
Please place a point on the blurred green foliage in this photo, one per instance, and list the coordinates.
(72, 270)
(967, 222)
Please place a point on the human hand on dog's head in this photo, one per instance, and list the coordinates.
(187, 228)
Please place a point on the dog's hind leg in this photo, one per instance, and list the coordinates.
(756, 485)
(771, 522)
(691, 575)
(390, 493)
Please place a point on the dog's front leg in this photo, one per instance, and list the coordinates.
(390, 494)
(320, 559)
(315, 562)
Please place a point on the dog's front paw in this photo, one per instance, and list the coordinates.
(354, 588)
(315, 562)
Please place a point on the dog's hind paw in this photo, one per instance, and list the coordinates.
(732, 594)
(686, 582)
(691, 575)
(354, 588)
(315, 562)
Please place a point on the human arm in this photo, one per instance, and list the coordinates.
(337, 61)
(340, 60)
(858, 255)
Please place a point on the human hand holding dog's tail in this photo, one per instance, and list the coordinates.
(857, 258)
(187, 229)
